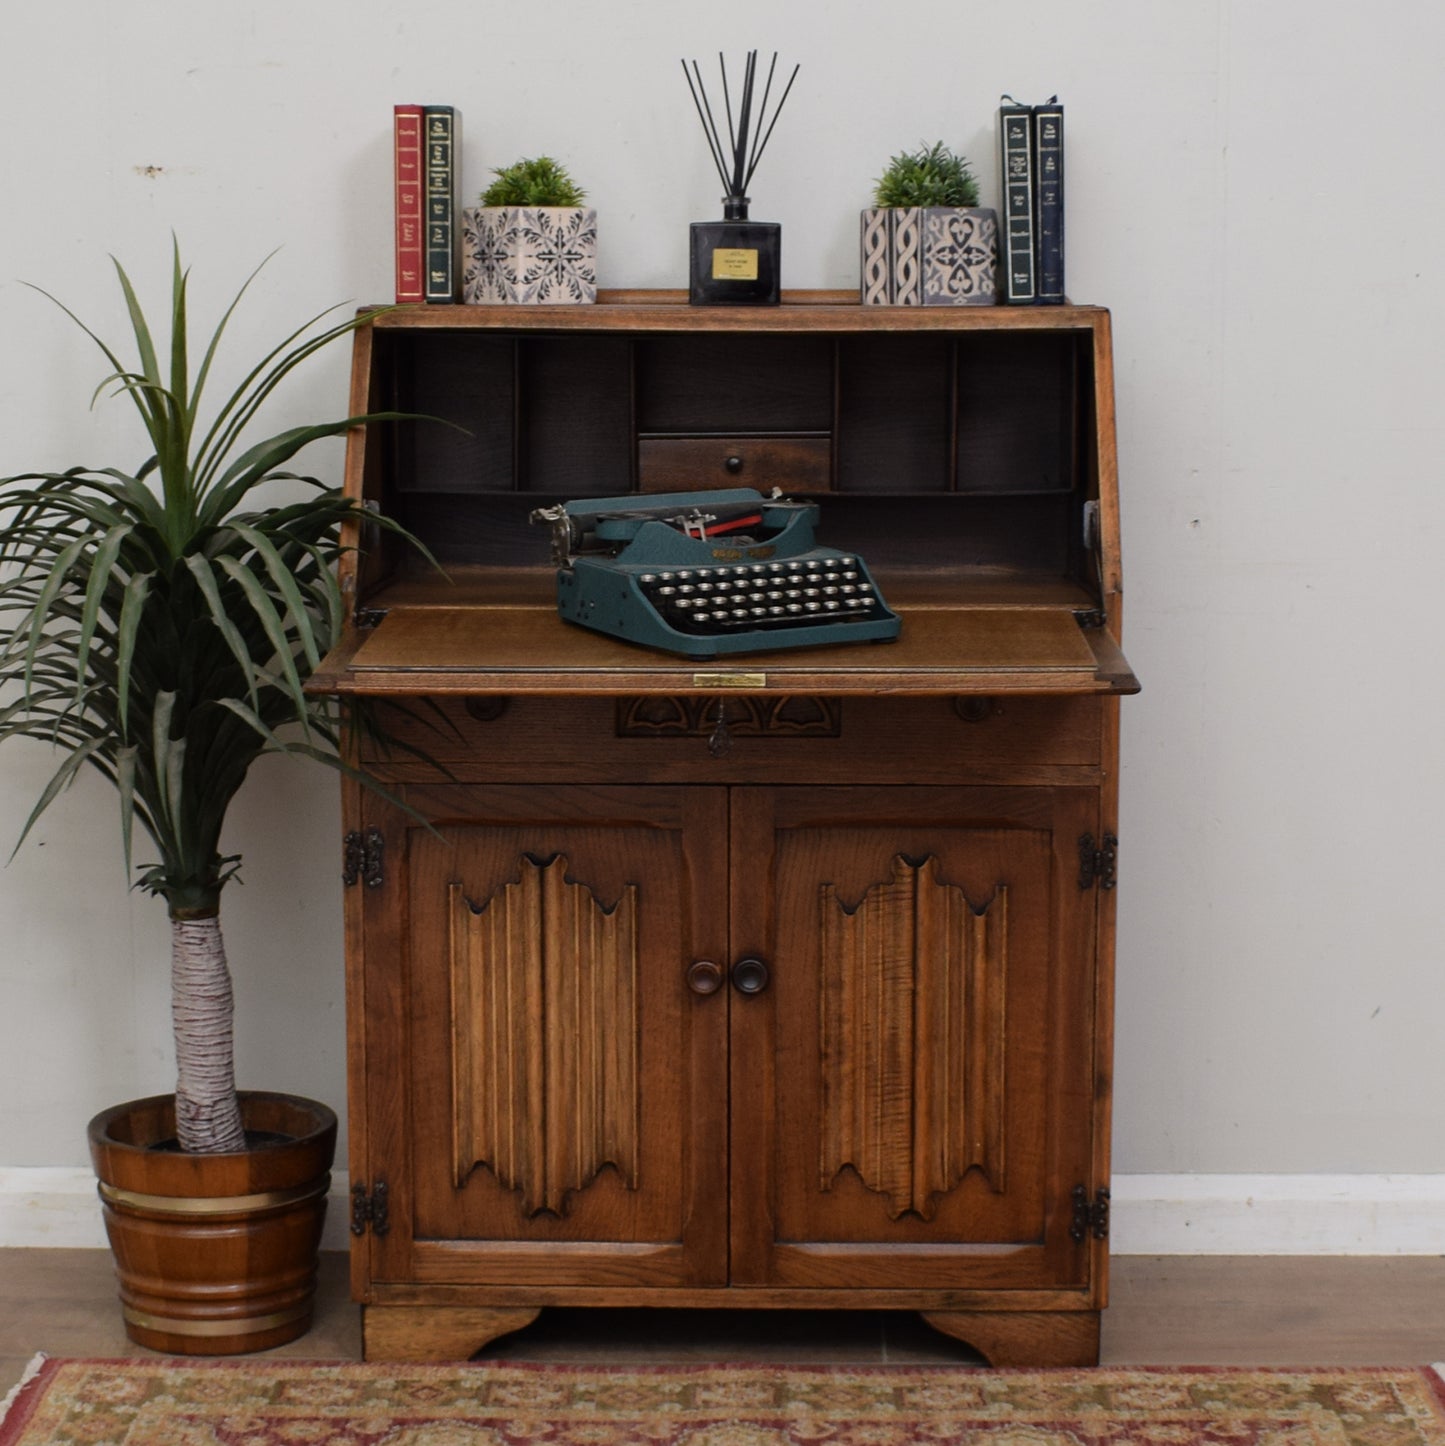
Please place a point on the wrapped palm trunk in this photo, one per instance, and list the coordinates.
(208, 1118)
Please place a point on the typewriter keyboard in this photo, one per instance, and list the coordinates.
(763, 595)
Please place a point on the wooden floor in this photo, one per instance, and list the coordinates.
(1168, 1310)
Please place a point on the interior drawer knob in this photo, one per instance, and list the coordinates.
(750, 976)
(734, 463)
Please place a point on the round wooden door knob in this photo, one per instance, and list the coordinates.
(704, 977)
(750, 976)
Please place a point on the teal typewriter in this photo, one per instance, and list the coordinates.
(704, 573)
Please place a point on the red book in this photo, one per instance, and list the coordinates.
(410, 238)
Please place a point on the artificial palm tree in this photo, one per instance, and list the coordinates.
(158, 625)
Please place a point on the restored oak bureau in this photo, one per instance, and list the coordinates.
(778, 981)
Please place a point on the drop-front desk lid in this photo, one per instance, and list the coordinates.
(995, 646)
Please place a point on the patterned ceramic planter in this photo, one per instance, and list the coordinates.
(929, 256)
(537, 254)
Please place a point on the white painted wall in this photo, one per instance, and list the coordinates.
(1253, 189)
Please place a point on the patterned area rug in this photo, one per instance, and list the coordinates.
(283, 1403)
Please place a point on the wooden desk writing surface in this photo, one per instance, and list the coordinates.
(529, 649)
(823, 1021)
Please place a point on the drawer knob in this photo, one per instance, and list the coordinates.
(750, 976)
(704, 977)
(734, 463)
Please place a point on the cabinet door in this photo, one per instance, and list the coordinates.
(912, 1092)
(545, 1096)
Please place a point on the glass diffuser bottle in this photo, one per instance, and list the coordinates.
(736, 261)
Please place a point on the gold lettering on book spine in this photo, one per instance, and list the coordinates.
(913, 1032)
(545, 1035)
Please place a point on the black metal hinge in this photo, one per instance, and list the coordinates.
(369, 617)
(1098, 865)
(369, 1209)
(361, 858)
(1090, 1218)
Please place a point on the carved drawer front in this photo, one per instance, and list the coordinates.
(785, 739)
(687, 464)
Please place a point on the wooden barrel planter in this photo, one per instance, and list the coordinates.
(216, 1254)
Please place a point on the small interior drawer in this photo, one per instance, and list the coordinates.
(688, 464)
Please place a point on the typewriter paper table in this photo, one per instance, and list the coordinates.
(781, 980)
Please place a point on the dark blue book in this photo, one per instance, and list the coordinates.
(1049, 200)
(442, 161)
(1017, 239)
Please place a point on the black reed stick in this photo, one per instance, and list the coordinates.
(740, 143)
(759, 132)
(786, 92)
(708, 129)
(762, 110)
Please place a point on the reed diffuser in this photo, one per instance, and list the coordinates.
(736, 261)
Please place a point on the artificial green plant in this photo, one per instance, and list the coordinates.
(929, 176)
(538, 181)
(159, 625)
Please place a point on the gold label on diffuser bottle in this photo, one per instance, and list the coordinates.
(734, 263)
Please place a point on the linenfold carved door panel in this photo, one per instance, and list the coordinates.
(562, 1109)
(545, 1035)
(912, 978)
(916, 1100)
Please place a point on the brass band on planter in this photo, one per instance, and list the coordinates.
(212, 1205)
(171, 1325)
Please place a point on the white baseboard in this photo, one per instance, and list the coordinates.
(59, 1208)
(1151, 1214)
(1278, 1215)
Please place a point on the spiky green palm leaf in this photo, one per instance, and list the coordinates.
(126, 606)
(159, 625)
(102, 621)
